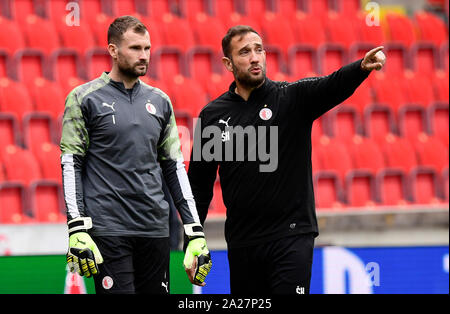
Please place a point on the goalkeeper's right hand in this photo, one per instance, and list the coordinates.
(83, 255)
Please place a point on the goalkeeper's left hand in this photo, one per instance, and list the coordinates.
(197, 259)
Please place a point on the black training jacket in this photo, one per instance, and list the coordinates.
(279, 201)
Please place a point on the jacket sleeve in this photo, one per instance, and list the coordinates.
(202, 174)
(74, 144)
(174, 172)
(320, 94)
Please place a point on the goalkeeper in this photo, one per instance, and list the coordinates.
(119, 145)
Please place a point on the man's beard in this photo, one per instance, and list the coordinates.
(132, 71)
(246, 79)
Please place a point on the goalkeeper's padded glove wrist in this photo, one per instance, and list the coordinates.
(79, 224)
(194, 231)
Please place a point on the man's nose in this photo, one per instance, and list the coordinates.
(144, 55)
(254, 57)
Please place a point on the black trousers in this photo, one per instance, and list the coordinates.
(133, 265)
(282, 266)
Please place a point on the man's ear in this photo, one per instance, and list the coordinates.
(112, 49)
(227, 63)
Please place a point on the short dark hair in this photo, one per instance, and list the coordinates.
(237, 30)
(121, 24)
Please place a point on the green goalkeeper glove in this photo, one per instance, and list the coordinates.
(197, 259)
(83, 255)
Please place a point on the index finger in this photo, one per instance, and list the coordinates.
(375, 50)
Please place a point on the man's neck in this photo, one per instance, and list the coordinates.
(244, 91)
(127, 81)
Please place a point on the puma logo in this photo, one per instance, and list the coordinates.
(79, 241)
(109, 106)
(112, 107)
(225, 122)
(164, 284)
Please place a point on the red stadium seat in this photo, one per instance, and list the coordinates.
(255, 9)
(46, 202)
(277, 31)
(431, 28)
(446, 186)
(48, 157)
(340, 30)
(361, 99)
(187, 95)
(48, 97)
(438, 122)
(34, 27)
(389, 91)
(219, 84)
(31, 65)
(224, 10)
(441, 86)
(65, 65)
(79, 38)
(69, 84)
(431, 152)
(125, 7)
(399, 153)
(333, 156)
(317, 8)
(418, 89)
(399, 60)
(344, 122)
(366, 155)
(305, 28)
(379, 121)
(327, 190)
(360, 189)
(13, 204)
(348, 8)
(90, 9)
(15, 99)
(100, 29)
(21, 165)
(391, 187)
(412, 121)
(201, 63)
(302, 61)
(424, 59)
(21, 9)
(190, 8)
(287, 8)
(331, 58)
(166, 63)
(38, 128)
(97, 61)
(238, 18)
(4, 63)
(208, 31)
(11, 38)
(170, 32)
(275, 61)
(425, 186)
(9, 130)
(401, 29)
(156, 9)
